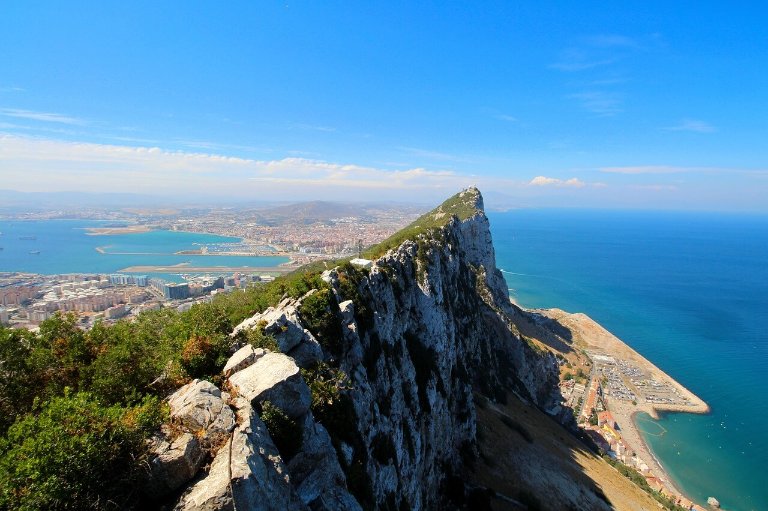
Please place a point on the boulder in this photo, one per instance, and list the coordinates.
(276, 378)
(281, 322)
(199, 408)
(172, 464)
(242, 358)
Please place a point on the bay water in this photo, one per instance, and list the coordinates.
(63, 246)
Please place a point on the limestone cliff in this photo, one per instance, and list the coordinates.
(419, 333)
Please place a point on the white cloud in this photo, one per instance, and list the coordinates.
(551, 181)
(507, 118)
(41, 116)
(34, 164)
(692, 125)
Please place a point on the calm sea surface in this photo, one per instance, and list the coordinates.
(64, 247)
(687, 290)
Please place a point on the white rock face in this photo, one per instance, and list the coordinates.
(200, 408)
(282, 323)
(435, 320)
(173, 464)
(242, 358)
(276, 378)
(247, 473)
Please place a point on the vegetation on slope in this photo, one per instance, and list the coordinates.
(463, 205)
(76, 406)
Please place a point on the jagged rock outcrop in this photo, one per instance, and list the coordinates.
(247, 472)
(201, 408)
(274, 377)
(242, 358)
(284, 324)
(418, 334)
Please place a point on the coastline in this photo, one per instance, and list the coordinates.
(591, 336)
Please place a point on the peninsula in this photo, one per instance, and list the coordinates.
(606, 384)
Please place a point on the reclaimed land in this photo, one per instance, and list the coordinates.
(205, 269)
(111, 231)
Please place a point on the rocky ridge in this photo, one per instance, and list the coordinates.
(417, 335)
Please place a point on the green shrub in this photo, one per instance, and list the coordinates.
(74, 454)
(258, 339)
(319, 314)
(205, 356)
(286, 433)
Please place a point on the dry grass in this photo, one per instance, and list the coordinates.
(533, 463)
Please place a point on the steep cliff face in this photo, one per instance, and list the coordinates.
(419, 333)
(432, 322)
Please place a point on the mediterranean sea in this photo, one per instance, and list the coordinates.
(689, 291)
(63, 246)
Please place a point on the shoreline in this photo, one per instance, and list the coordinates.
(595, 339)
(655, 460)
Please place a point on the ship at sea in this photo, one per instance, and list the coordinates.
(34, 252)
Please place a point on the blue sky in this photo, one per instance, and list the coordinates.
(587, 104)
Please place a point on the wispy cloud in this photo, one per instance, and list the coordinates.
(600, 102)
(505, 117)
(692, 125)
(11, 88)
(551, 181)
(611, 41)
(595, 60)
(42, 116)
(575, 59)
(671, 169)
(646, 169)
(312, 127)
(656, 187)
(433, 155)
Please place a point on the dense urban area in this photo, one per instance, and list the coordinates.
(302, 232)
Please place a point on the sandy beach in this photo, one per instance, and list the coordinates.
(595, 339)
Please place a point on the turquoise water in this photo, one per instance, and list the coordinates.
(65, 247)
(687, 290)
